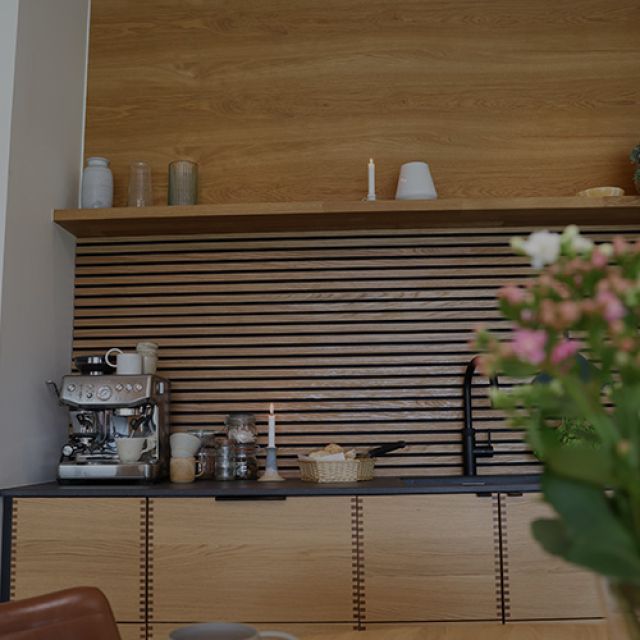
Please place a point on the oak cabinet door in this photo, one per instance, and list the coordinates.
(59, 543)
(429, 558)
(161, 630)
(541, 586)
(258, 560)
(133, 632)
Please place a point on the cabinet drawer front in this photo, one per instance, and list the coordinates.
(161, 631)
(542, 586)
(429, 558)
(59, 543)
(282, 561)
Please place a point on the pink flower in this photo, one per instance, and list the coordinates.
(569, 312)
(620, 245)
(548, 315)
(598, 259)
(627, 344)
(526, 315)
(564, 350)
(611, 306)
(512, 294)
(529, 344)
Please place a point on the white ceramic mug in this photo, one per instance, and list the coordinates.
(184, 445)
(126, 362)
(225, 631)
(130, 449)
(415, 182)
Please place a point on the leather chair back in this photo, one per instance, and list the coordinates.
(82, 613)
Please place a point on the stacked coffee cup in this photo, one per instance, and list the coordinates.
(183, 466)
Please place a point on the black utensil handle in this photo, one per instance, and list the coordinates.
(386, 448)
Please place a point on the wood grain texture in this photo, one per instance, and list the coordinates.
(472, 631)
(65, 542)
(267, 561)
(358, 337)
(328, 216)
(428, 558)
(132, 632)
(161, 631)
(428, 631)
(281, 100)
(542, 586)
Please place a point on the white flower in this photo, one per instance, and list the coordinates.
(543, 247)
(606, 249)
(580, 244)
(572, 240)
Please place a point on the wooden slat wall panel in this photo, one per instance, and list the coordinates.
(358, 338)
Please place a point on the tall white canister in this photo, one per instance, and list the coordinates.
(97, 184)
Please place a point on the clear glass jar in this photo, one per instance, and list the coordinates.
(207, 460)
(246, 462)
(225, 463)
(241, 427)
(183, 182)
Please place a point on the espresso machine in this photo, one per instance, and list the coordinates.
(103, 408)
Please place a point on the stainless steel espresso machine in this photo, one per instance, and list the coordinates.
(103, 408)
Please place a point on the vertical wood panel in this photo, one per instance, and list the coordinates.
(268, 561)
(67, 542)
(541, 586)
(284, 100)
(428, 558)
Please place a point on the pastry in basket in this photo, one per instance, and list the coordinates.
(332, 452)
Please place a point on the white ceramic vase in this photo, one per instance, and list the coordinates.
(97, 184)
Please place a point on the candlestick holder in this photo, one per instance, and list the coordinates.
(271, 467)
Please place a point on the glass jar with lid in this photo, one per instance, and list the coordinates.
(241, 427)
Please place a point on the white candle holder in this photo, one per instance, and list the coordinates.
(271, 467)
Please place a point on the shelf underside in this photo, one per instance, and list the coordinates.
(347, 216)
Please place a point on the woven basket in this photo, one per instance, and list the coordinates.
(337, 470)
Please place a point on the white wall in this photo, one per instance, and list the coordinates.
(37, 275)
(8, 33)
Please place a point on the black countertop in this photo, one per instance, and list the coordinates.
(264, 490)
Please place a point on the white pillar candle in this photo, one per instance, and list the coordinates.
(371, 195)
(272, 427)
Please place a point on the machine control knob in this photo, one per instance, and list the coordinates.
(71, 387)
(138, 386)
(119, 387)
(104, 393)
(129, 387)
(67, 451)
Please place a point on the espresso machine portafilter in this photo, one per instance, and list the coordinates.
(104, 408)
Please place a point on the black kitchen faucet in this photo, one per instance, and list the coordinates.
(470, 449)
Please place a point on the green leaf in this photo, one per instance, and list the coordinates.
(608, 561)
(580, 462)
(588, 532)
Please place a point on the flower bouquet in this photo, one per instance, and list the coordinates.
(576, 342)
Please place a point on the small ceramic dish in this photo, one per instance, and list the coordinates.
(601, 192)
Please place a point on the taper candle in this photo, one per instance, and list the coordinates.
(272, 426)
(371, 195)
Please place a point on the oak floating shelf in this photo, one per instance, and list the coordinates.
(281, 217)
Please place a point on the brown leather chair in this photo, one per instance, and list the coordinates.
(82, 613)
